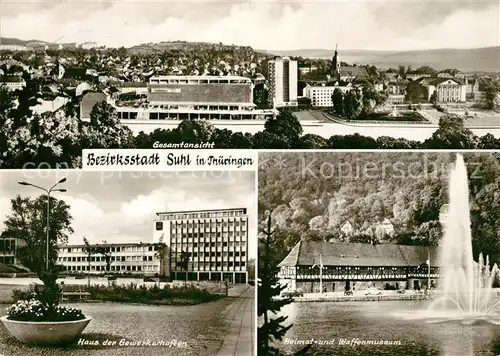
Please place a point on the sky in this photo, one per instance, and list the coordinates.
(121, 206)
(262, 24)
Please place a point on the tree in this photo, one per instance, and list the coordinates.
(453, 134)
(311, 141)
(161, 249)
(488, 141)
(194, 131)
(349, 104)
(268, 288)
(28, 223)
(491, 91)
(433, 98)
(89, 250)
(104, 129)
(285, 125)
(265, 139)
(338, 101)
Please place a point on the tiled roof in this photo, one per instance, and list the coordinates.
(307, 253)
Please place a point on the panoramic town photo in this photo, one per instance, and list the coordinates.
(379, 254)
(120, 74)
(127, 263)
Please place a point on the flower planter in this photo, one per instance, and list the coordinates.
(45, 333)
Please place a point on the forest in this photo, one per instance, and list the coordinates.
(313, 195)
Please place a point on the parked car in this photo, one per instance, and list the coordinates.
(348, 292)
(251, 282)
(292, 294)
(401, 291)
(373, 291)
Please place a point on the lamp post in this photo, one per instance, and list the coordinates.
(47, 191)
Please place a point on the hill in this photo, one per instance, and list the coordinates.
(468, 60)
(185, 47)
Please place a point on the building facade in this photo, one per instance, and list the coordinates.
(338, 267)
(283, 82)
(321, 96)
(125, 258)
(173, 98)
(215, 241)
(448, 90)
(89, 45)
(13, 83)
(8, 248)
(13, 48)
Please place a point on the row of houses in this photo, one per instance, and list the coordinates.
(43, 46)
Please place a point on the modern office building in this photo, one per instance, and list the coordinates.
(174, 98)
(283, 77)
(314, 265)
(125, 258)
(13, 48)
(216, 242)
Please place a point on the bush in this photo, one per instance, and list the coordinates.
(143, 294)
(34, 310)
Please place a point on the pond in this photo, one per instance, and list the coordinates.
(375, 328)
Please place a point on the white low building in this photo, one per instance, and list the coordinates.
(14, 83)
(447, 90)
(125, 258)
(321, 96)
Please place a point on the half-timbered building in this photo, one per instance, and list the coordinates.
(335, 267)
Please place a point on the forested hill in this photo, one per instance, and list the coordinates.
(312, 195)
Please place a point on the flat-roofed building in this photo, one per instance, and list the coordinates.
(283, 82)
(321, 96)
(125, 258)
(194, 97)
(216, 242)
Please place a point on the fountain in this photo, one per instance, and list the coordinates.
(465, 291)
(394, 113)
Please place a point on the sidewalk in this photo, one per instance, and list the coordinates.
(240, 338)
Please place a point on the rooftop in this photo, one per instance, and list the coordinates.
(308, 253)
(197, 211)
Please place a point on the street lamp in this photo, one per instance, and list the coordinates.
(48, 191)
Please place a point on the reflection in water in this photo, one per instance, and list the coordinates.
(326, 321)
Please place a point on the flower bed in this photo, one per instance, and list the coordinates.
(34, 310)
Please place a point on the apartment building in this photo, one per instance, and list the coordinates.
(214, 241)
(283, 78)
